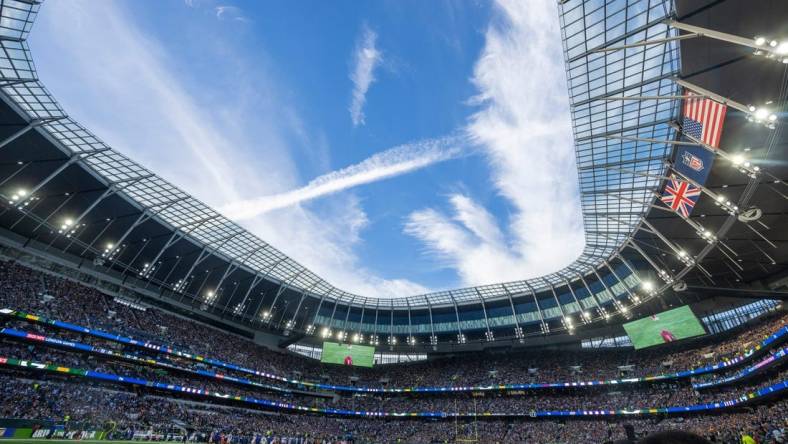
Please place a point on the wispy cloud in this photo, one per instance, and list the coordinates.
(227, 12)
(523, 128)
(366, 58)
(209, 149)
(386, 164)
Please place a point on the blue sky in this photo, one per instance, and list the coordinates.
(394, 147)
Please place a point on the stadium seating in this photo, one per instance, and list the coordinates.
(200, 398)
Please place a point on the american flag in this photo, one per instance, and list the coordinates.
(680, 196)
(703, 119)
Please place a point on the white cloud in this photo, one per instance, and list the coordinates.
(365, 59)
(226, 12)
(386, 164)
(524, 130)
(143, 105)
(325, 243)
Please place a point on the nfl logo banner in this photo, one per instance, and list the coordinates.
(693, 162)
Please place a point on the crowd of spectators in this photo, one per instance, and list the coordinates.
(38, 396)
(618, 398)
(91, 407)
(40, 293)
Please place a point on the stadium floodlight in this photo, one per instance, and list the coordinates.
(771, 49)
(310, 329)
(763, 115)
(647, 286)
(326, 332)
(518, 333)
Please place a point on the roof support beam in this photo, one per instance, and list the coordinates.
(457, 315)
(282, 287)
(639, 126)
(433, 338)
(317, 310)
(484, 310)
(718, 35)
(411, 338)
(591, 294)
(207, 252)
(518, 330)
(583, 314)
(621, 38)
(134, 259)
(347, 317)
(622, 90)
(545, 328)
(360, 329)
(21, 132)
(392, 339)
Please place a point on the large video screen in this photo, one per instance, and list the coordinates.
(660, 328)
(348, 354)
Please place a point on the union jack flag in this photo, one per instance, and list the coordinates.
(680, 196)
(702, 118)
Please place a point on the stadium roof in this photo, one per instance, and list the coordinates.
(591, 76)
(110, 193)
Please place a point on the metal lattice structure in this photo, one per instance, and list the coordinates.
(613, 202)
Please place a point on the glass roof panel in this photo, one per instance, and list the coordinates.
(618, 148)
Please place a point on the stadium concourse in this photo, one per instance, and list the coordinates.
(131, 311)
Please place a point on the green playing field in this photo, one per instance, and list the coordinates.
(668, 326)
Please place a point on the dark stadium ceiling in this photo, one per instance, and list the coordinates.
(68, 194)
